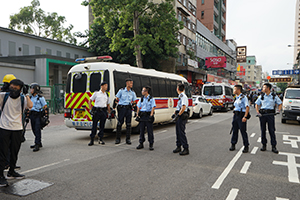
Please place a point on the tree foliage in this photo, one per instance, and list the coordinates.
(146, 28)
(33, 20)
(282, 86)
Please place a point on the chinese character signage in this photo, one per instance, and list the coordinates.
(280, 80)
(241, 54)
(215, 62)
(240, 71)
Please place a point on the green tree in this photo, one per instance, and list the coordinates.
(282, 86)
(154, 27)
(33, 20)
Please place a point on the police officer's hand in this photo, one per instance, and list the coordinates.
(109, 116)
(151, 119)
(277, 112)
(244, 119)
(258, 114)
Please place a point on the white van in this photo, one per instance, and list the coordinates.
(291, 104)
(219, 95)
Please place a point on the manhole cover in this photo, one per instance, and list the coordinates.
(25, 187)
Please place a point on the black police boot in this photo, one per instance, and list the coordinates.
(91, 142)
(232, 148)
(185, 152)
(100, 141)
(32, 146)
(118, 134)
(177, 150)
(36, 148)
(141, 146)
(264, 147)
(128, 133)
(246, 149)
(274, 149)
(151, 147)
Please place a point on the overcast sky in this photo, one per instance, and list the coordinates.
(266, 27)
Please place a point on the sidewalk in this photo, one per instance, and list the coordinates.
(56, 120)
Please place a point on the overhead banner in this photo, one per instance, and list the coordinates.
(215, 62)
(280, 80)
(241, 54)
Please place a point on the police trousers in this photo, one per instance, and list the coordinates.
(181, 139)
(10, 143)
(123, 113)
(99, 115)
(237, 125)
(35, 120)
(270, 119)
(144, 122)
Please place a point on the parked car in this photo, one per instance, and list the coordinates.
(291, 104)
(201, 106)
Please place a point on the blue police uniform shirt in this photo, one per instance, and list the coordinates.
(241, 102)
(146, 105)
(268, 103)
(38, 103)
(125, 97)
(183, 100)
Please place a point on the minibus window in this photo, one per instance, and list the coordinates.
(213, 90)
(137, 87)
(208, 90)
(174, 89)
(154, 87)
(292, 94)
(95, 80)
(119, 79)
(145, 81)
(79, 82)
(169, 90)
(162, 87)
(218, 90)
(106, 79)
(228, 91)
(68, 86)
(187, 88)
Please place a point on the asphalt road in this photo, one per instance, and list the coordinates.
(211, 171)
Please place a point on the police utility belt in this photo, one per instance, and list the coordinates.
(242, 114)
(266, 111)
(98, 109)
(125, 106)
(35, 113)
(144, 113)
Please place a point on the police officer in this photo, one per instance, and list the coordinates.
(126, 98)
(239, 122)
(99, 110)
(145, 112)
(39, 104)
(265, 108)
(181, 115)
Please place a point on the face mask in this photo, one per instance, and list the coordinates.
(14, 93)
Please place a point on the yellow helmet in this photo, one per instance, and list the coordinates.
(8, 77)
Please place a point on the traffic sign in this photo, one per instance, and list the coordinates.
(282, 80)
(285, 72)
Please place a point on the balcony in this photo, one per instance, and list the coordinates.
(217, 1)
(223, 32)
(216, 11)
(216, 25)
(223, 20)
(223, 8)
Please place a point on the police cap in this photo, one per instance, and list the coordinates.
(103, 83)
(128, 79)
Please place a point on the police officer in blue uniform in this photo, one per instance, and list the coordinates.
(126, 100)
(239, 122)
(181, 115)
(39, 104)
(100, 112)
(265, 108)
(145, 112)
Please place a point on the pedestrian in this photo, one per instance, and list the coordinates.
(182, 115)
(12, 105)
(126, 101)
(239, 122)
(265, 108)
(100, 112)
(145, 115)
(39, 106)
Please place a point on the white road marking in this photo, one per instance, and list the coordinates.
(259, 139)
(38, 168)
(160, 132)
(226, 171)
(245, 167)
(254, 150)
(232, 194)
(194, 121)
(279, 132)
(292, 140)
(279, 198)
(292, 166)
(253, 134)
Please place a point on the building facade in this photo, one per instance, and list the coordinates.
(212, 14)
(253, 72)
(297, 31)
(37, 59)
